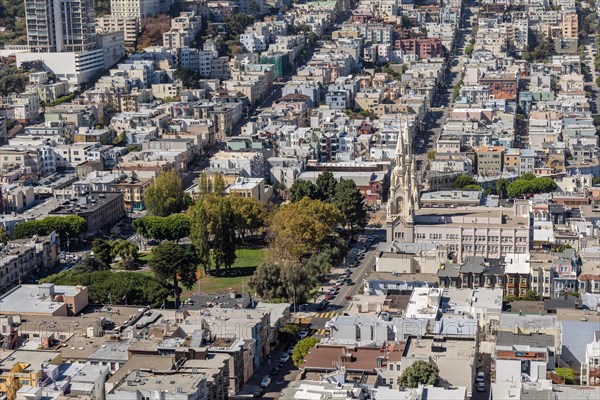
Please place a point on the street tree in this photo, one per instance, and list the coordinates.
(302, 348)
(165, 195)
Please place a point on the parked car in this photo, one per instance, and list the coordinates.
(302, 334)
(481, 387)
(290, 349)
(257, 392)
(480, 377)
(275, 370)
(322, 305)
(348, 298)
(266, 381)
(284, 358)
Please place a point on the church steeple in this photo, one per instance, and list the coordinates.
(404, 191)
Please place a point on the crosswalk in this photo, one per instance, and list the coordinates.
(321, 332)
(327, 315)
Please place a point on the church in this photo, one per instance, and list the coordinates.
(490, 232)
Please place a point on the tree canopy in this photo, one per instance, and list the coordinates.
(351, 203)
(102, 253)
(249, 215)
(463, 180)
(71, 225)
(420, 372)
(108, 287)
(302, 348)
(165, 195)
(303, 228)
(302, 189)
(527, 185)
(171, 261)
(173, 227)
(326, 185)
(214, 217)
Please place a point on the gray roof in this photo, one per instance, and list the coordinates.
(575, 336)
(532, 339)
(224, 300)
(449, 271)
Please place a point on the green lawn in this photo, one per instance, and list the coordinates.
(237, 278)
(219, 281)
(145, 257)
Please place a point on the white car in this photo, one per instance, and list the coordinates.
(266, 381)
(284, 357)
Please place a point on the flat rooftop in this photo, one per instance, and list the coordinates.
(455, 361)
(424, 303)
(139, 380)
(28, 299)
(478, 216)
(353, 358)
(455, 196)
(34, 358)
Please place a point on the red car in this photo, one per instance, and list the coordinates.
(349, 298)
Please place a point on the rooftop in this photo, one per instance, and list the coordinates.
(424, 303)
(172, 383)
(365, 359)
(36, 299)
(454, 360)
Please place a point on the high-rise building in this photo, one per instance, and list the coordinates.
(138, 9)
(60, 25)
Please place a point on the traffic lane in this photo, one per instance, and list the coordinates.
(357, 278)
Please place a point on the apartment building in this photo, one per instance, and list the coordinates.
(489, 160)
(130, 26)
(138, 9)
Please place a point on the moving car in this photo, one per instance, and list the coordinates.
(266, 381)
